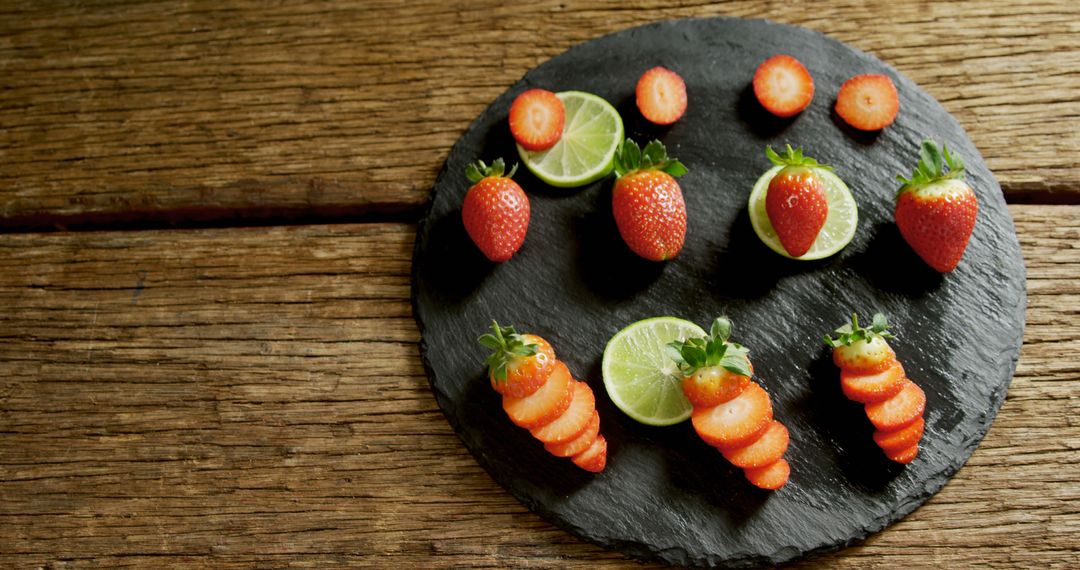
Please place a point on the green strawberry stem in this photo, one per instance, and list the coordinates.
(477, 171)
(931, 167)
(793, 158)
(507, 345)
(851, 332)
(710, 350)
(630, 158)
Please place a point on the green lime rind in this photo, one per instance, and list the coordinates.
(840, 224)
(586, 151)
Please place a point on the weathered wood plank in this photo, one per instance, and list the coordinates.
(254, 397)
(134, 112)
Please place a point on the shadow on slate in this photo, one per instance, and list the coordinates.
(665, 495)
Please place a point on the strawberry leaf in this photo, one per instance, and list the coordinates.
(506, 346)
(793, 157)
(932, 167)
(477, 171)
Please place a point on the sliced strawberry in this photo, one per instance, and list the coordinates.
(901, 410)
(864, 356)
(536, 119)
(594, 458)
(783, 85)
(875, 386)
(524, 374)
(903, 438)
(735, 423)
(868, 102)
(713, 385)
(661, 96)
(904, 456)
(573, 421)
(544, 405)
(770, 477)
(579, 443)
(768, 448)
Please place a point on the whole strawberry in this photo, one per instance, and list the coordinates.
(495, 211)
(795, 201)
(935, 209)
(647, 201)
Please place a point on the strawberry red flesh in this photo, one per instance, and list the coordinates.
(661, 96)
(868, 102)
(783, 86)
(901, 439)
(766, 450)
(573, 421)
(900, 411)
(537, 118)
(873, 387)
(580, 443)
(735, 423)
(594, 458)
(903, 455)
(770, 477)
(544, 405)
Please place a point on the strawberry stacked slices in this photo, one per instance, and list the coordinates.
(731, 412)
(871, 375)
(540, 395)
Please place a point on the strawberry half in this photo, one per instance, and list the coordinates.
(859, 350)
(873, 387)
(783, 86)
(900, 411)
(573, 421)
(647, 202)
(736, 423)
(495, 211)
(768, 449)
(714, 370)
(936, 209)
(546, 404)
(868, 102)
(536, 119)
(519, 363)
(795, 200)
(661, 96)
(771, 477)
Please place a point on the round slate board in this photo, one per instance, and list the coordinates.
(665, 494)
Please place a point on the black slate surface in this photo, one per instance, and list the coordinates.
(665, 494)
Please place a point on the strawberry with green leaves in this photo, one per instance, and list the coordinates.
(795, 200)
(495, 211)
(647, 202)
(936, 209)
(518, 364)
(713, 369)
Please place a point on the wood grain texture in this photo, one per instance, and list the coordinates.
(202, 111)
(254, 398)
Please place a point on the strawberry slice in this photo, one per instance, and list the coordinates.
(661, 96)
(868, 102)
(783, 86)
(768, 449)
(901, 439)
(735, 423)
(537, 117)
(579, 443)
(904, 456)
(594, 458)
(770, 477)
(573, 421)
(875, 386)
(900, 411)
(544, 405)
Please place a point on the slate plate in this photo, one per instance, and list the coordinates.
(666, 495)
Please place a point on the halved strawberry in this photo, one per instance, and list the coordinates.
(901, 410)
(868, 102)
(735, 423)
(573, 421)
(770, 477)
(594, 458)
(783, 85)
(536, 119)
(579, 443)
(661, 96)
(768, 448)
(904, 455)
(874, 386)
(544, 405)
(903, 438)
(860, 350)
(519, 363)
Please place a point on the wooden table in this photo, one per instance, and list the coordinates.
(208, 353)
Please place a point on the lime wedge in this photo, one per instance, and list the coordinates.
(839, 225)
(586, 151)
(640, 378)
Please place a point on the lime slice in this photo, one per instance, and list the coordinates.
(640, 378)
(839, 225)
(586, 151)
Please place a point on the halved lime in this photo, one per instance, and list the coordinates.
(640, 378)
(586, 151)
(839, 226)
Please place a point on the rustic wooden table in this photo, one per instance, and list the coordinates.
(207, 216)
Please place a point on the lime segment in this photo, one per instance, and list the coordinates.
(585, 153)
(839, 226)
(640, 378)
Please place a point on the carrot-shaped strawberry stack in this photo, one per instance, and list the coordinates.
(540, 395)
(871, 375)
(731, 412)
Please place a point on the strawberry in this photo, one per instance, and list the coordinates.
(714, 370)
(735, 423)
(594, 458)
(647, 202)
(900, 439)
(859, 350)
(661, 96)
(900, 411)
(495, 211)
(935, 209)
(546, 404)
(771, 477)
(768, 449)
(903, 455)
(795, 200)
(579, 443)
(873, 387)
(868, 102)
(536, 119)
(783, 86)
(519, 364)
(573, 421)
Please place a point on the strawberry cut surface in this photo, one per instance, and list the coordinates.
(594, 458)
(899, 411)
(580, 443)
(783, 86)
(766, 450)
(872, 387)
(868, 102)
(770, 477)
(536, 119)
(573, 421)
(661, 96)
(544, 405)
(903, 438)
(735, 423)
